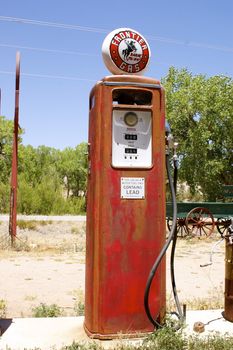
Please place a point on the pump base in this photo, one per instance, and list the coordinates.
(227, 317)
(115, 335)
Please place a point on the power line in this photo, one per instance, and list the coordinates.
(64, 52)
(49, 50)
(34, 75)
(53, 24)
(105, 31)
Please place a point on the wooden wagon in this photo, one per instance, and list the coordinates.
(200, 218)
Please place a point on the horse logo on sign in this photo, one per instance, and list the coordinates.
(130, 48)
(128, 51)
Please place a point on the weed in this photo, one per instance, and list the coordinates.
(75, 230)
(213, 342)
(32, 224)
(29, 225)
(44, 222)
(214, 300)
(79, 308)
(30, 297)
(165, 338)
(21, 244)
(83, 346)
(2, 308)
(79, 302)
(44, 310)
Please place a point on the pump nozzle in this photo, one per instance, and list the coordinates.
(168, 137)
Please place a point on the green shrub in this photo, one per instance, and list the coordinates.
(166, 338)
(79, 308)
(212, 342)
(46, 198)
(83, 346)
(28, 199)
(29, 225)
(4, 197)
(44, 310)
(48, 193)
(2, 308)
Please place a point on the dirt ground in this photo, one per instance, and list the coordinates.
(48, 266)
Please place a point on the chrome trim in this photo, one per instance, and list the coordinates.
(128, 83)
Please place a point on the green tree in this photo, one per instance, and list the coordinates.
(41, 175)
(35, 163)
(6, 141)
(73, 169)
(200, 111)
(6, 138)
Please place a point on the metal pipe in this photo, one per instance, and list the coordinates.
(14, 166)
(228, 302)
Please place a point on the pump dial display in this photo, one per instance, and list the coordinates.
(131, 139)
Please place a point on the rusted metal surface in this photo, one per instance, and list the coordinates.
(228, 305)
(124, 236)
(14, 166)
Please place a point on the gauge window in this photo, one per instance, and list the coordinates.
(131, 119)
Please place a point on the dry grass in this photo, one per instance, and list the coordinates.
(3, 307)
(214, 301)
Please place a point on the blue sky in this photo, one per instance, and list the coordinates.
(59, 65)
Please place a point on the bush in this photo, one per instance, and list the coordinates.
(4, 197)
(28, 200)
(2, 308)
(46, 198)
(213, 342)
(44, 310)
(29, 225)
(166, 338)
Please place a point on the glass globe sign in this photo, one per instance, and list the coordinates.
(126, 51)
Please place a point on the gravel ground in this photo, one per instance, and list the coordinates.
(48, 266)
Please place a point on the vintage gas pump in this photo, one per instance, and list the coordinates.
(126, 192)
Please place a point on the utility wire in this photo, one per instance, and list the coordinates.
(65, 52)
(49, 50)
(49, 76)
(53, 24)
(105, 31)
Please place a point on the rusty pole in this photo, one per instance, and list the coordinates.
(14, 166)
(228, 305)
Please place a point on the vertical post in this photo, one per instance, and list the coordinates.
(14, 167)
(228, 305)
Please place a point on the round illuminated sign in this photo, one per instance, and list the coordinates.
(125, 51)
(131, 119)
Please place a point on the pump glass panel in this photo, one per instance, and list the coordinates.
(131, 139)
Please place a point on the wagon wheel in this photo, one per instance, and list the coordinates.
(222, 225)
(181, 227)
(200, 222)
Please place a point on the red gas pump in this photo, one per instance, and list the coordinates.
(125, 200)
